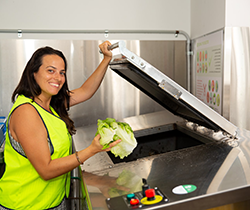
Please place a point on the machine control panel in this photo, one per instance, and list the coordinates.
(144, 199)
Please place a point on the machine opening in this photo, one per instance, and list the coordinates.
(157, 144)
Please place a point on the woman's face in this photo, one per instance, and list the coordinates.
(51, 75)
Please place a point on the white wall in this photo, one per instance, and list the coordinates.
(196, 17)
(237, 13)
(95, 15)
(210, 15)
(206, 16)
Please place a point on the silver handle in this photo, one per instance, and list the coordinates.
(111, 47)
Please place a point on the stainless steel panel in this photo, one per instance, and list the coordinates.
(116, 97)
(237, 76)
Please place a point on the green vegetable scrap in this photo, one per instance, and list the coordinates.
(110, 130)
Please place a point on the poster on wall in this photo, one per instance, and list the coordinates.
(209, 69)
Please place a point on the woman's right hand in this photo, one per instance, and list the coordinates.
(104, 48)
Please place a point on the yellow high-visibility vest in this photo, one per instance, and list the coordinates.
(21, 187)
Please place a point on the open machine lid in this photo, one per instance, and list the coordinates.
(165, 91)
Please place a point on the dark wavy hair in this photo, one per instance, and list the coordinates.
(29, 87)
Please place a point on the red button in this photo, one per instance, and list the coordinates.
(134, 201)
(150, 193)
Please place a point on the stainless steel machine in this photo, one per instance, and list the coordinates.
(195, 159)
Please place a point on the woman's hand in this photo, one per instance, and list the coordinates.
(97, 147)
(104, 48)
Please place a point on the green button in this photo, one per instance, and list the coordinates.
(130, 196)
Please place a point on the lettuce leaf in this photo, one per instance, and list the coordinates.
(110, 130)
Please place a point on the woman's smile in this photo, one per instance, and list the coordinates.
(54, 84)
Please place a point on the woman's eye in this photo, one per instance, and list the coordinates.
(63, 73)
(50, 70)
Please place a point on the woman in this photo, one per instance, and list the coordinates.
(38, 142)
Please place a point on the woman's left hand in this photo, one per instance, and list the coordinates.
(104, 48)
(97, 147)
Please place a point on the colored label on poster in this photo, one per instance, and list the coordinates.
(209, 69)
